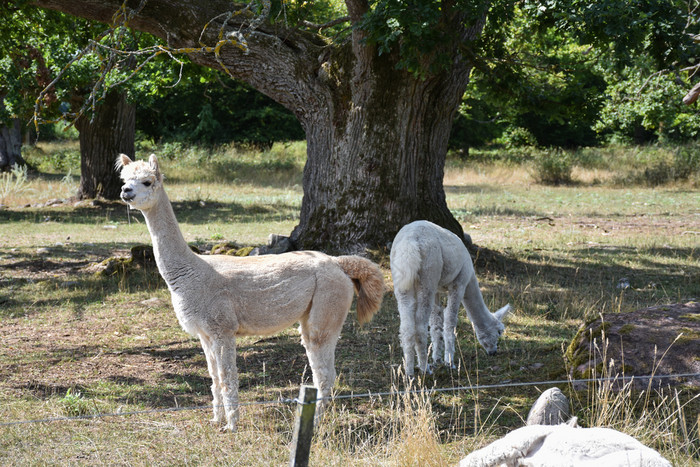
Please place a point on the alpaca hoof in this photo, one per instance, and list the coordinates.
(229, 427)
(218, 418)
(419, 374)
(444, 371)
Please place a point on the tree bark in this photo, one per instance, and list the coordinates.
(11, 145)
(379, 164)
(103, 137)
(376, 136)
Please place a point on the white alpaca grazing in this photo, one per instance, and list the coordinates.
(426, 259)
(219, 297)
(565, 445)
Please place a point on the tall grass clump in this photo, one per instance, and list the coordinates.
(553, 167)
(403, 432)
(73, 404)
(415, 439)
(681, 165)
(13, 182)
(659, 165)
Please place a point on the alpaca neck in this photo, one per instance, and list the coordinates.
(173, 255)
(479, 314)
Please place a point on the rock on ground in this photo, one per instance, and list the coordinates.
(551, 408)
(640, 343)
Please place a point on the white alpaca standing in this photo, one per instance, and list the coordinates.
(425, 259)
(219, 297)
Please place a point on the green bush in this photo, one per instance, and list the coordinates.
(642, 108)
(681, 166)
(62, 161)
(553, 167)
(518, 137)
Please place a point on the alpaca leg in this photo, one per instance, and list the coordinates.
(217, 400)
(454, 299)
(224, 349)
(407, 330)
(322, 362)
(426, 301)
(436, 332)
(320, 331)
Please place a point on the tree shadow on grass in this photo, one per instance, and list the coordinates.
(366, 356)
(190, 212)
(470, 189)
(176, 375)
(596, 266)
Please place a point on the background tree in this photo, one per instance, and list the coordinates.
(208, 107)
(572, 74)
(108, 131)
(376, 99)
(644, 106)
(645, 52)
(376, 121)
(23, 73)
(39, 45)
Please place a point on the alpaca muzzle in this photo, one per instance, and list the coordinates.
(127, 195)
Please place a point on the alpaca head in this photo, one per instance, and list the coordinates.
(142, 181)
(488, 336)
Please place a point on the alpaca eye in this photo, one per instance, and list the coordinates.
(146, 183)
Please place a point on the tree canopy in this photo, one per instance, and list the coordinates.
(575, 73)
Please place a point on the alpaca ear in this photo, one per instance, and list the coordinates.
(122, 161)
(153, 162)
(503, 313)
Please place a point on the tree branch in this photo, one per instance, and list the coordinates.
(329, 24)
(277, 61)
(692, 95)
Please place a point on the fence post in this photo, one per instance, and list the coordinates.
(303, 427)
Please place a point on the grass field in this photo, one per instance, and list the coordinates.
(75, 343)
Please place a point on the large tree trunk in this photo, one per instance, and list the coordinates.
(379, 164)
(376, 136)
(103, 137)
(11, 145)
(376, 147)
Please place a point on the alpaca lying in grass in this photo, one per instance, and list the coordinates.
(219, 297)
(426, 258)
(565, 444)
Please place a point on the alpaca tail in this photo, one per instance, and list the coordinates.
(405, 263)
(369, 284)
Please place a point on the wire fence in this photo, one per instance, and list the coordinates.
(367, 395)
